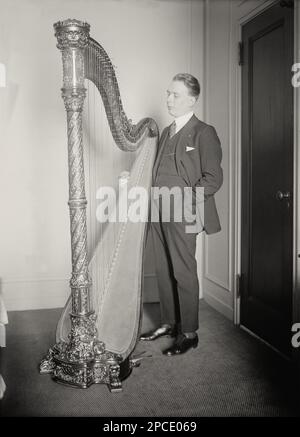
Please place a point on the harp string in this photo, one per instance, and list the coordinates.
(103, 155)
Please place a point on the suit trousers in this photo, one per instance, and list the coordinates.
(176, 271)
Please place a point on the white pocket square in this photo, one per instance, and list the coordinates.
(188, 148)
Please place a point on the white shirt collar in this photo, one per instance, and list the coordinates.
(182, 120)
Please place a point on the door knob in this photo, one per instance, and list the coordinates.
(280, 195)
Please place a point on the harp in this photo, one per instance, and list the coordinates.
(99, 326)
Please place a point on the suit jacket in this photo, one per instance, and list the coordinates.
(198, 156)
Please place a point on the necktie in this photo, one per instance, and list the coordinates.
(172, 129)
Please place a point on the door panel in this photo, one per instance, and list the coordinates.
(267, 176)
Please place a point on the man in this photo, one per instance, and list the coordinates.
(189, 155)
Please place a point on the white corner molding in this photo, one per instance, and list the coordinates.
(3, 322)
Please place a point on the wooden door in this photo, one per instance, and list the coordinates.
(267, 176)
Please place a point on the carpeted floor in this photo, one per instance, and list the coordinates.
(229, 374)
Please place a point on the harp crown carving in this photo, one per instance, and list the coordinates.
(71, 33)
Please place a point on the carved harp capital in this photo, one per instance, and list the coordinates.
(72, 34)
(72, 39)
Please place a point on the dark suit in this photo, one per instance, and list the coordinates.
(189, 159)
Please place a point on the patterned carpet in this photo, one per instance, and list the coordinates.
(229, 374)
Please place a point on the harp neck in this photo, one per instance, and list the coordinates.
(100, 71)
(83, 58)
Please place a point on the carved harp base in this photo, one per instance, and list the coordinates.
(106, 368)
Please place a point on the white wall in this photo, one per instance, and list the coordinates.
(149, 41)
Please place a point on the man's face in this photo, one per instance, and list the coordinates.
(179, 101)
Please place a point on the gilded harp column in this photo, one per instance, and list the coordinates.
(72, 39)
(82, 360)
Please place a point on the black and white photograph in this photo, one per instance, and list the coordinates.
(150, 211)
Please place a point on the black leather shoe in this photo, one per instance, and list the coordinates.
(163, 331)
(181, 345)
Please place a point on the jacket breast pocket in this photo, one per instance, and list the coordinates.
(189, 148)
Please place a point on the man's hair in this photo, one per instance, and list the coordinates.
(190, 82)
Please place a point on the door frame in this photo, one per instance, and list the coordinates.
(241, 14)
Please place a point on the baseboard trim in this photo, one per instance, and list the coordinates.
(218, 305)
(35, 294)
